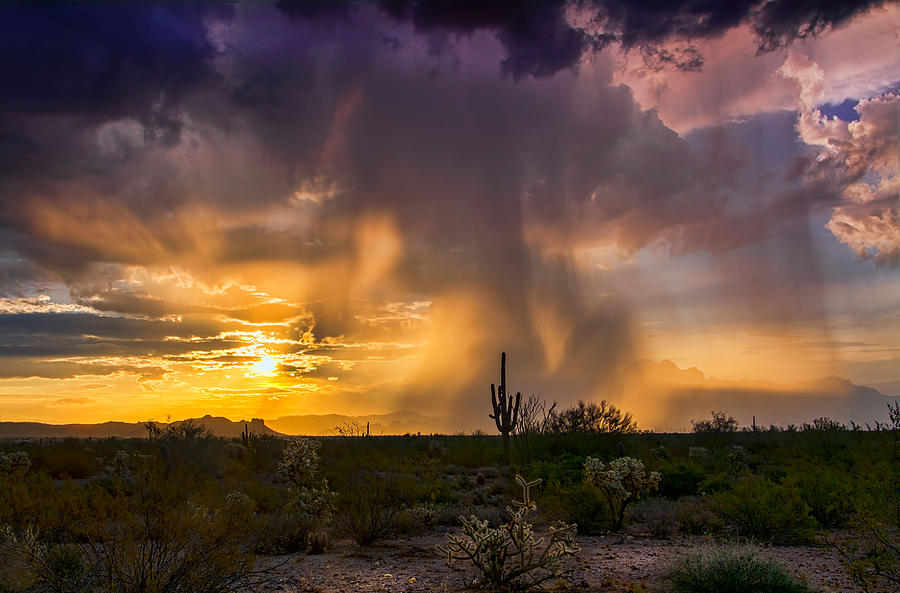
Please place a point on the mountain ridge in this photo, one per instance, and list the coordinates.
(675, 396)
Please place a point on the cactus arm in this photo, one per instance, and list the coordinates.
(497, 416)
(515, 418)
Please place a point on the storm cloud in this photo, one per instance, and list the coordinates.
(383, 196)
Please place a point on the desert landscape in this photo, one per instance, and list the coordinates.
(325, 296)
(809, 508)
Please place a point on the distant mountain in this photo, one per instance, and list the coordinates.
(661, 396)
(219, 426)
(887, 387)
(402, 422)
(664, 397)
(319, 425)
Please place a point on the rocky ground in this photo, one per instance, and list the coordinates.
(606, 563)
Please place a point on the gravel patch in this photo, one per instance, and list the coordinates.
(606, 563)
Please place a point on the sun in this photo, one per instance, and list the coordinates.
(266, 365)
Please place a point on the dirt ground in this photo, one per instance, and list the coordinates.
(606, 563)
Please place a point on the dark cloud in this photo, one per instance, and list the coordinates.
(21, 368)
(134, 59)
(159, 135)
(113, 327)
(779, 23)
(540, 38)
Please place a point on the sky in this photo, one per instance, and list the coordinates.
(265, 209)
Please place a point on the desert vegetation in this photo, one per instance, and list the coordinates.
(186, 511)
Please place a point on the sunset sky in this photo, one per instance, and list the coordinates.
(257, 210)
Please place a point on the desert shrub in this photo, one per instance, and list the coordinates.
(823, 424)
(512, 556)
(828, 492)
(564, 469)
(366, 508)
(71, 462)
(34, 501)
(657, 516)
(698, 454)
(697, 517)
(766, 511)
(714, 483)
(621, 484)
(416, 519)
(589, 418)
(719, 570)
(679, 480)
(871, 554)
(871, 549)
(281, 532)
(720, 422)
(581, 504)
(148, 534)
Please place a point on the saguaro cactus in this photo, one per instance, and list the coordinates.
(247, 437)
(506, 412)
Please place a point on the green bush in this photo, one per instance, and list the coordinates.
(658, 516)
(158, 531)
(282, 532)
(871, 548)
(725, 570)
(366, 508)
(828, 492)
(581, 504)
(715, 483)
(697, 517)
(680, 480)
(765, 511)
(72, 462)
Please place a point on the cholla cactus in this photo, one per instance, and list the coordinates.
(299, 464)
(119, 465)
(511, 556)
(17, 461)
(314, 502)
(238, 510)
(300, 460)
(622, 483)
(437, 449)
(736, 458)
(698, 453)
(238, 501)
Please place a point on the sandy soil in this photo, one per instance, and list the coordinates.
(607, 563)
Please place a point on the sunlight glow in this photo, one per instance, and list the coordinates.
(267, 365)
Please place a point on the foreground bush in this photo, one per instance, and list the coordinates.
(828, 492)
(732, 571)
(766, 512)
(871, 548)
(511, 557)
(581, 504)
(150, 533)
(657, 516)
(366, 508)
